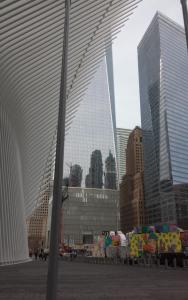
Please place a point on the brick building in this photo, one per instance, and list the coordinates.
(132, 186)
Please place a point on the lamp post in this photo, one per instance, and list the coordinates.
(52, 277)
(185, 17)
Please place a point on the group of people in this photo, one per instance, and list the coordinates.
(41, 254)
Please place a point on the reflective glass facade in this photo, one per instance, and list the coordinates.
(87, 213)
(163, 76)
(93, 127)
(122, 136)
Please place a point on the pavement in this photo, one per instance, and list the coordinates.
(82, 281)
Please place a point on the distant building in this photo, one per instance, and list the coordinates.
(95, 177)
(37, 225)
(122, 136)
(110, 173)
(86, 213)
(134, 153)
(163, 77)
(132, 185)
(75, 177)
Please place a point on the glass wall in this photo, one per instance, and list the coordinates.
(90, 139)
(87, 213)
(163, 75)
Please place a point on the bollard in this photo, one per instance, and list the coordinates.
(183, 263)
(158, 262)
(133, 261)
(166, 263)
(150, 262)
(174, 262)
(139, 261)
(145, 263)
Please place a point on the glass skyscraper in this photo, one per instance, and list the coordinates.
(163, 76)
(122, 136)
(91, 138)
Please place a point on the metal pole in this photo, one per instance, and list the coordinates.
(52, 277)
(185, 16)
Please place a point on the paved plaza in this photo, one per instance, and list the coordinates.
(82, 281)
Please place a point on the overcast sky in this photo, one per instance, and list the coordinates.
(125, 58)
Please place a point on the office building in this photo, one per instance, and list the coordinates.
(134, 152)
(90, 144)
(86, 213)
(110, 172)
(132, 212)
(92, 133)
(122, 136)
(37, 225)
(163, 76)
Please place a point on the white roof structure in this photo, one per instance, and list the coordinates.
(31, 40)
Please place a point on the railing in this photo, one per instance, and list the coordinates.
(146, 262)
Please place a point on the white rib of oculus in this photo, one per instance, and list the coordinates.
(31, 39)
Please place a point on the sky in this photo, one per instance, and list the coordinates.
(125, 58)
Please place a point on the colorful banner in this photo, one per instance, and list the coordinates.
(169, 242)
(154, 243)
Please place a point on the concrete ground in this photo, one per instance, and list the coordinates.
(82, 281)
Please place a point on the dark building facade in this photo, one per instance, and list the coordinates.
(75, 177)
(110, 172)
(95, 177)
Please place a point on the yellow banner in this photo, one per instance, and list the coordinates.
(155, 243)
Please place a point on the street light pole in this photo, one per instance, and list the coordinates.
(185, 16)
(52, 277)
